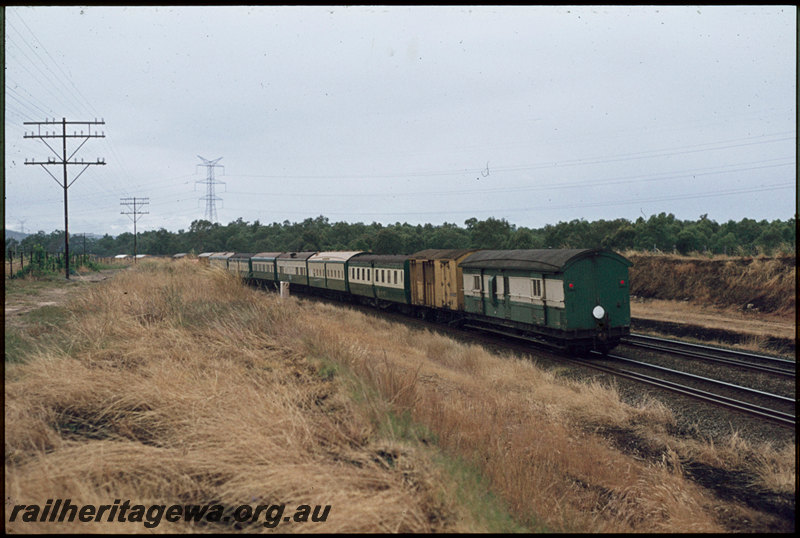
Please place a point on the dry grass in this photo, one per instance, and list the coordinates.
(767, 284)
(755, 325)
(175, 390)
(177, 384)
(525, 429)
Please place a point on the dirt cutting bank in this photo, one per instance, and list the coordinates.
(760, 284)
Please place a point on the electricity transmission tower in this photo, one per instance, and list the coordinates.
(210, 181)
(64, 160)
(131, 203)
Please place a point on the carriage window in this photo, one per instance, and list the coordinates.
(476, 282)
(536, 288)
(395, 277)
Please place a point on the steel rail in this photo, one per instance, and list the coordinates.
(704, 379)
(779, 417)
(674, 347)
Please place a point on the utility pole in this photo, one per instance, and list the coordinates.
(210, 197)
(131, 203)
(64, 160)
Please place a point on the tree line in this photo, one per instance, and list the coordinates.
(662, 232)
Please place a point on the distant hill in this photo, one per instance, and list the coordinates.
(88, 236)
(19, 236)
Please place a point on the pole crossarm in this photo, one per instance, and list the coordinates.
(135, 212)
(132, 202)
(64, 160)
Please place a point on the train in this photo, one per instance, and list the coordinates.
(573, 300)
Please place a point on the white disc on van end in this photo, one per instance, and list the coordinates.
(598, 312)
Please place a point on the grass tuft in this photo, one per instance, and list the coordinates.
(174, 383)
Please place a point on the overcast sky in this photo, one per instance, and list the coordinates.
(535, 114)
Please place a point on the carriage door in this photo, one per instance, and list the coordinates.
(482, 290)
(544, 299)
(428, 276)
(506, 299)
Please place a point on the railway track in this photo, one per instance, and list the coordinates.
(740, 359)
(770, 406)
(778, 416)
(775, 412)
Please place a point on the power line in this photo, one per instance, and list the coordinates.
(58, 66)
(682, 150)
(711, 194)
(568, 185)
(67, 88)
(131, 203)
(64, 160)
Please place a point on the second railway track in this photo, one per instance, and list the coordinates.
(771, 413)
(740, 359)
(781, 417)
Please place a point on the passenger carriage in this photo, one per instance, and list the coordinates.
(329, 269)
(264, 269)
(239, 264)
(380, 277)
(220, 260)
(574, 298)
(293, 267)
(205, 257)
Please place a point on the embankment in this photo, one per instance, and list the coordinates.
(761, 284)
